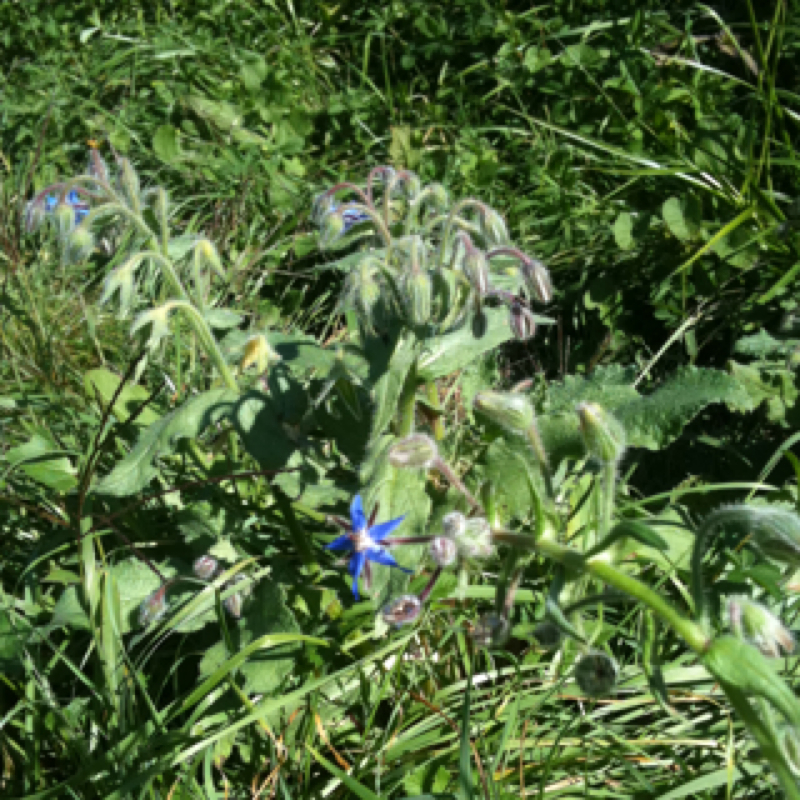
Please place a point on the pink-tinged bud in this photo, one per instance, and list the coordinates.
(443, 551)
(603, 435)
(153, 607)
(476, 269)
(454, 524)
(416, 451)
(475, 540)
(402, 610)
(596, 673)
(205, 567)
(758, 626)
(233, 605)
(492, 630)
(537, 280)
(522, 322)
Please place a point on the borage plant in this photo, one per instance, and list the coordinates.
(467, 485)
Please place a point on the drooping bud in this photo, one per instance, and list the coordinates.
(443, 551)
(206, 255)
(129, 182)
(512, 412)
(475, 540)
(65, 220)
(80, 244)
(537, 280)
(233, 604)
(153, 607)
(417, 451)
(492, 630)
(418, 297)
(603, 435)
(522, 322)
(364, 289)
(753, 623)
(258, 351)
(205, 567)
(493, 227)
(353, 216)
(331, 228)
(596, 673)
(402, 610)
(547, 635)
(476, 269)
(454, 525)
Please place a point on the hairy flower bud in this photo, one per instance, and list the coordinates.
(80, 244)
(402, 610)
(417, 451)
(331, 228)
(418, 297)
(522, 322)
(475, 540)
(512, 412)
(603, 435)
(233, 604)
(537, 280)
(34, 216)
(454, 524)
(64, 216)
(493, 227)
(153, 607)
(476, 269)
(129, 182)
(492, 630)
(443, 551)
(755, 624)
(258, 351)
(205, 567)
(596, 673)
(547, 635)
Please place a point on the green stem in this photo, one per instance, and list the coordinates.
(607, 499)
(535, 441)
(296, 531)
(407, 404)
(448, 226)
(432, 394)
(688, 630)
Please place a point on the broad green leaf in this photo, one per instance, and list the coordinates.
(222, 318)
(165, 144)
(623, 230)
(609, 387)
(137, 469)
(762, 346)
(265, 613)
(259, 420)
(15, 631)
(104, 383)
(390, 384)
(42, 461)
(775, 386)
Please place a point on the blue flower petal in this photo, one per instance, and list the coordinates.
(357, 516)
(381, 556)
(50, 202)
(355, 568)
(379, 532)
(342, 542)
(73, 198)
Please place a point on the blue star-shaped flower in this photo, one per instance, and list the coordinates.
(365, 540)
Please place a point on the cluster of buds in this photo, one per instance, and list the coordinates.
(206, 568)
(435, 264)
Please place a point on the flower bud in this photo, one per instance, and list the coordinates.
(547, 635)
(233, 604)
(153, 607)
(443, 551)
(493, 227)
(454, 524)
(512, 412)
(522, 322)
(596, 673)
(476, 269)
(34, 215)
(80, 244)
(475, 540)
(603, 435)
(758, 626)
(417, 451)
(206, 255)
(492, 630)
(418, 292)
(65, 220)
(97, 167)
(537, 280)
(129, 182)
(331, 228)
(352, 217)
(258, 351)
(205, 567)
(402, 610)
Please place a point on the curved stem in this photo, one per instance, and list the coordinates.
(448, 226)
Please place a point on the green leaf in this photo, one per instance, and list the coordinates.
(402, 152)
(222, 318)
(42, 461)
(103, 383)
(623, 231)
(258, 419)
(165, 144)
(265, 612)
(774, 386)
(675, 220)
(390, 384)
(761, 345)
(15, 632)
(609, 387)
(137, 469)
